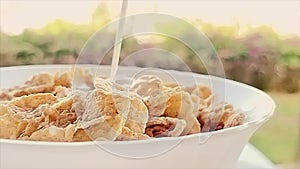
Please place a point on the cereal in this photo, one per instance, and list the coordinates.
(10, 127)
(180, 106)
(156, 103)
(165, 126)
(222, 116)
(138, 114)
(61, 91)
(53, 133)
(33, 101)
(105, 114)
(146, 84)
(41, 83)
(54, 107)
(128, 134)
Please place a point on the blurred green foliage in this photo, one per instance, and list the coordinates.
(279, 137)
(25, 56)
(257, 56)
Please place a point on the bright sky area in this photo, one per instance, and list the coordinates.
(283, 16)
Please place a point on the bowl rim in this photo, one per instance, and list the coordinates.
(91, 143)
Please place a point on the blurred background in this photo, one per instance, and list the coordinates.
(257, 41)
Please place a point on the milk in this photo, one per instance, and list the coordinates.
(118, 41)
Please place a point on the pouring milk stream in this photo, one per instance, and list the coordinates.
(118, 41)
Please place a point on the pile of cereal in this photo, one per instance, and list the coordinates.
(45, 108)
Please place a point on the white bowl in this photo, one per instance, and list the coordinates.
(218, 149)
